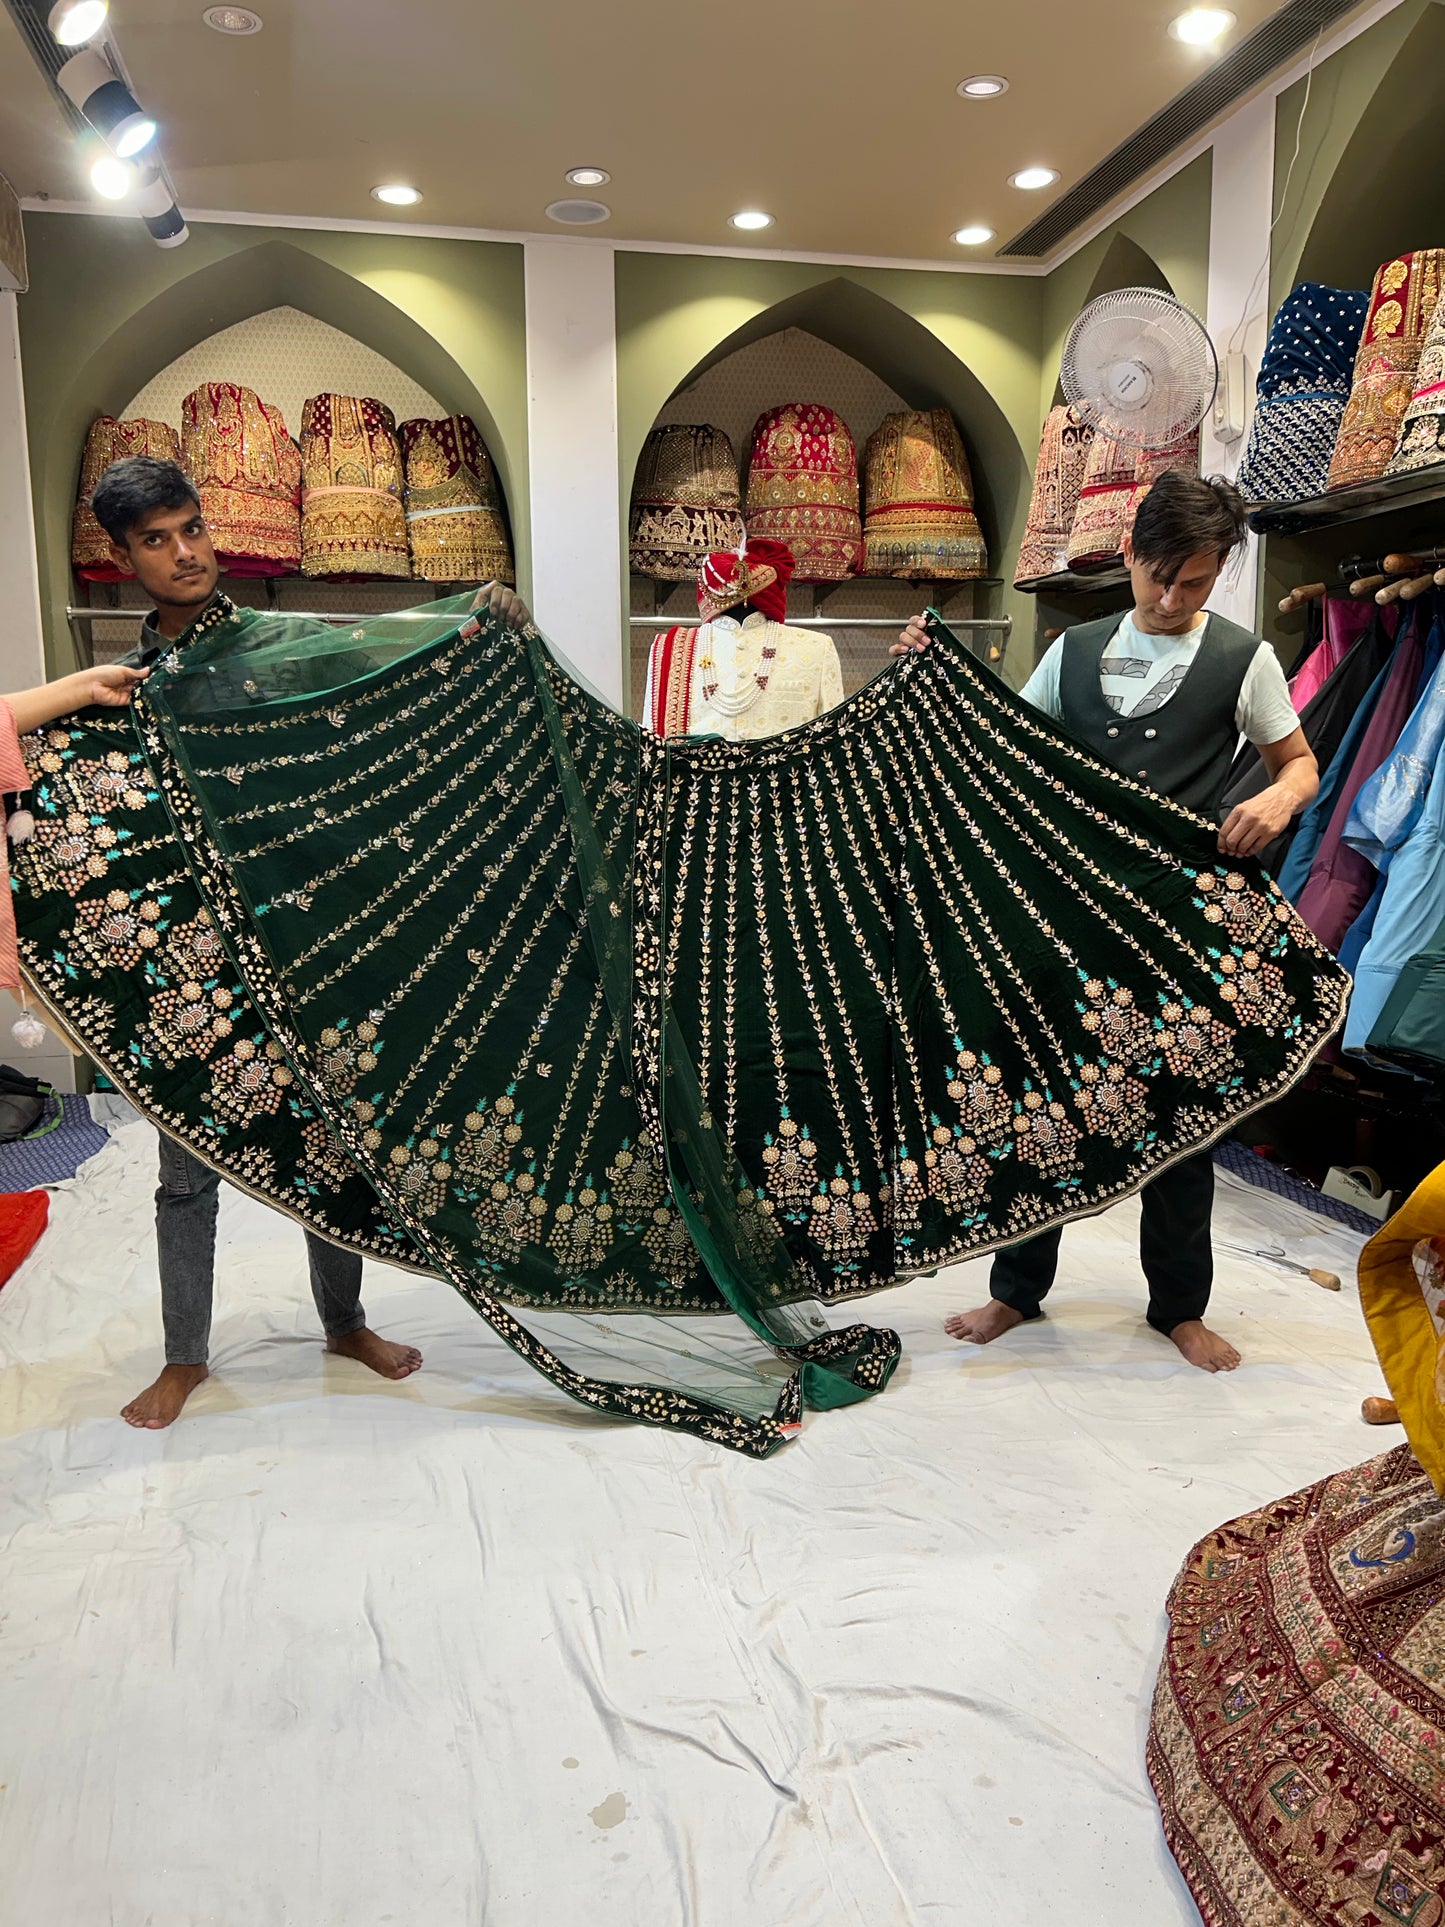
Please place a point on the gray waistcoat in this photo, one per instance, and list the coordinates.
(1184, 749)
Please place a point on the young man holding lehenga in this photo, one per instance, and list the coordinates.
(1164, 694)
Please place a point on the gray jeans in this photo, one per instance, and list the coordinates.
(187, 1202)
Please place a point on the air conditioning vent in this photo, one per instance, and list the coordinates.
(1235, 74)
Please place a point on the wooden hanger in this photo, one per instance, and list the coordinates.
(1306, 592)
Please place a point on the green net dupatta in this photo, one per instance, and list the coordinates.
(409, 931)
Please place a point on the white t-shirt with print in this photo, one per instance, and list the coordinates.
(1139, 673)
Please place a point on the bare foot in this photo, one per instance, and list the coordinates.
(981, 1327)
(1204, 1348)
(391, 1361)
(160, 1404)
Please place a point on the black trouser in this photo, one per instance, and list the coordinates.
(1174, 1249)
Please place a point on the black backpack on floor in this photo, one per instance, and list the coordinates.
(22, 1103)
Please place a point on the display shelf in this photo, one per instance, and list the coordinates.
(1341, 506)
(1109, 575)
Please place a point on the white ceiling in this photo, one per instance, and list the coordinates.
(840, 119)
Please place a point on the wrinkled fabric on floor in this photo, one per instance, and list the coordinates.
(343, 1653)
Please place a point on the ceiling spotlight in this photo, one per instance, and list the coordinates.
(1201, 26)
(587, 177)
(1034, 177)
(156, 206)
(107, 103)
(982, 87)
(973, 237)
(73, 22)
(397, 195)
(579, 213)
(233, 20)
(112, 179)
(751, 219)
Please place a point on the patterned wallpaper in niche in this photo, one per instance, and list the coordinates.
(794, 365)
(285, 356)
(790, 366)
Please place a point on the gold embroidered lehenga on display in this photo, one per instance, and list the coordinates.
(408, 931)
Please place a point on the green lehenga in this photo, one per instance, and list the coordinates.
(409, 932)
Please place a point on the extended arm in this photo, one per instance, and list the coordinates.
(109, 686)
(1294, 778)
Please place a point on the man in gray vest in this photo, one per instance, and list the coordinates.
(1164, 694)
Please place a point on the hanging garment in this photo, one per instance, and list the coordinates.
(1409, 1031)
(1422, 432)
(454, 520)
(1102, 516)
(803, 490)
(1058, 480)
(236, 450)
(107, 441)
(1309, 833)
(686, 501)
(1324, 719)
(1402, 307)
(1294, 1747)
(462, 968)
(1346, 618)
(1412, 908)
(1390, 803)
(1340, 878)
(920, 519)
(353, 524)
(1303, 385)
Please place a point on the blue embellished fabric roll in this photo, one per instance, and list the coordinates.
(1303, 385)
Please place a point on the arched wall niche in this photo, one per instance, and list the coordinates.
(908, 358)
(81, 367)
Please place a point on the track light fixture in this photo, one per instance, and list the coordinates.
(107, 103)
(156, 206)
(73, 22)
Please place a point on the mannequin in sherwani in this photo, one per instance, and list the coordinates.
(744, 673)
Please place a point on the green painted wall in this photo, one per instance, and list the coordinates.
(969, 342)
(1368, 181)
(985, 345)
(1167, 232)
(107, 309)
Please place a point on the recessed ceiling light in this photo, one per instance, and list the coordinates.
(73, 22)
(233, 20)
(112, 179)
(973, 237)
(982, 86)
(579, 213)
(587, 177)
(1033, 177)
(1201, 26)
(751, 219)
(397, 195)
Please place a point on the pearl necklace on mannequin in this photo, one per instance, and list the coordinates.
(736, 697)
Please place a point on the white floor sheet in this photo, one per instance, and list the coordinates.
(334, 1653)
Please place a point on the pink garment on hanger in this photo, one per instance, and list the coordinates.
(1346, 620)
(1340, 879)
